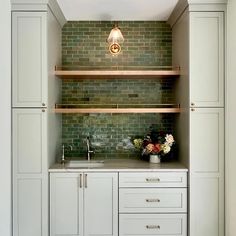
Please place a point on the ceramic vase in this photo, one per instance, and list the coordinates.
(155, 158)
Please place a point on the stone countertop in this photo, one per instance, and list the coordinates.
(123, 165)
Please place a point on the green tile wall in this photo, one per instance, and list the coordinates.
(84, 45)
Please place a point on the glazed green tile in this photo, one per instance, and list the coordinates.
(84, 44)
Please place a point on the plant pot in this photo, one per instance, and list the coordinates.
(155, 158)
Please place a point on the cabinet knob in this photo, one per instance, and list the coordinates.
(192, 104)
(43, 104)
(43, 110)
(192, 109)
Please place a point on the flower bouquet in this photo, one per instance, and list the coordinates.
(155, 143)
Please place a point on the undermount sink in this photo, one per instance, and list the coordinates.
(80, 164)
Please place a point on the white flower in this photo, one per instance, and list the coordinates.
(169, 139)
(165, 148)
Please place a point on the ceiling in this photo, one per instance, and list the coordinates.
(120, 10)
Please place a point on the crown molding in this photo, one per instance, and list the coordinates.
(39, 5)
(196, 5)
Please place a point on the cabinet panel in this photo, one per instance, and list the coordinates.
(153, 224)
(141, 200)
(66, 204)
(29, 141)
(101, 204)
(207, 59)
(29, 59)
(207, 140)
(151, 180)
(27, 207)
(83, 204)
(207, 206)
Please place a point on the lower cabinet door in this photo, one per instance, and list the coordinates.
(28, 207)
(66, 207)
(83, 204)
(101, 204)
(153, 224)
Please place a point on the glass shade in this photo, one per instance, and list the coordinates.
(115, 36)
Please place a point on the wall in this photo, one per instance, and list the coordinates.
(230, 121)
(84, 45)
(5, 119)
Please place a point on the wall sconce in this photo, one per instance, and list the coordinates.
(114, 39)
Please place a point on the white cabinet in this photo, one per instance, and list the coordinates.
(36, 36)
(206, 58)
(153, 224)
(66, 204)
(206, 192)
(153, 203)
(198, 47)
(29, 59)
(207, 140)
(84, 204)
(30, 177)
(207, 172)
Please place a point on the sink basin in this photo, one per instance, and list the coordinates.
(80, 164)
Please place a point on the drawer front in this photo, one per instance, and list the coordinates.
(153, 224)
(153, 179)
(158, 200)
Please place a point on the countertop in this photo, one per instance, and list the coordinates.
(123, 165)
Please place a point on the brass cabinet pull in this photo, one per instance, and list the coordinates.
(153, 226)
(80, 180)
(153, 200)
(152, 179)
(85, 181)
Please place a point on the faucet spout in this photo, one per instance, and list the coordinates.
(89, 151)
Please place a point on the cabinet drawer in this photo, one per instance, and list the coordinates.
(153, 224)
(153, 179)
(159, 200)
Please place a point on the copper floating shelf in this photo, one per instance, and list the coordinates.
(115, 72)
(116, 108)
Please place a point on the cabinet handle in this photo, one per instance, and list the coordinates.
(153, 200)
(80, 180)
(152, 180)
(85, 181)
(153, 226)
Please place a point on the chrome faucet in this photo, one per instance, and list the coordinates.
(63, 160)
(89, 151)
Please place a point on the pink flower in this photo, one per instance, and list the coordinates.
(149, 147)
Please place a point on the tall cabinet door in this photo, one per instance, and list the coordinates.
(66, 204)
(29, 59)
(29, 178)
(207, 59)
(207, 172)
(101, 204)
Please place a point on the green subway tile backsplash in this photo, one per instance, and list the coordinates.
(146, 44)
(84, 44)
